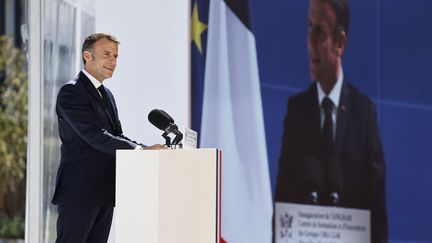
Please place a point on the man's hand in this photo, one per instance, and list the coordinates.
(155, 147)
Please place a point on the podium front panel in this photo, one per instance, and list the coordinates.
(187, 196)
(137, 197)
(167, 196)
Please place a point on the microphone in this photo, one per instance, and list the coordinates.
(313, 175)
(334, 176)
(160, 119)
(165, 122)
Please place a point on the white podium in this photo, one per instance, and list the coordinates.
(168, 196)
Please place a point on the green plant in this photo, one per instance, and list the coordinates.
(11, 227)
(13, 132)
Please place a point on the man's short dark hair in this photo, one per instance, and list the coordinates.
(341, 9)
(91, 39)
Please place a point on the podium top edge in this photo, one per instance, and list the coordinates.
(166, 150)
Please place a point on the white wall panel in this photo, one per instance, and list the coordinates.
(153, 64)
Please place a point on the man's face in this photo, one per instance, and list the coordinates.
(324, 52)
(102, 61)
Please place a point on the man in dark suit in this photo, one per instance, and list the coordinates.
(331, 150)
(90, 131)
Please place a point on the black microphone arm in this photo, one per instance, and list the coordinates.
(178, 135)
(313, 175)
(172, 128)
(334, 175)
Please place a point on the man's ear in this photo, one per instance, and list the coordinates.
(340, 43)
(87, 55)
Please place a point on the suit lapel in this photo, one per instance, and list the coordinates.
(342, 118)
(93, 91)
(114, 109)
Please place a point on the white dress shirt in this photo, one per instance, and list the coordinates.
(334, 96)
(93, 80)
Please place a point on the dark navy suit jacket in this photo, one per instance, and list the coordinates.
(357, 147)
(90, 137)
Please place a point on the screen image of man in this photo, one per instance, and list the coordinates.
(90, 132)
(331, 151)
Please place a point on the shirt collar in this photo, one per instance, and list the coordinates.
(334, 93)
(94, 81)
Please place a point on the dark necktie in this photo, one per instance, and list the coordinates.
(333, 174)
(327, 131)
(107, 105)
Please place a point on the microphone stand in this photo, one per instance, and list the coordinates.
(167, 138)
(172, 128)
(176, 140)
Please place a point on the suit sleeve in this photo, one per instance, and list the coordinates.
(74, 108)
(375, 180)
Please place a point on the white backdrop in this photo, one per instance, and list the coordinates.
(153, 65)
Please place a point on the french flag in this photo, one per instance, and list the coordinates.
(227, 110)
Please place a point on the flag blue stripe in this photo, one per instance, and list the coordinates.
(198, 67)
(241, 9)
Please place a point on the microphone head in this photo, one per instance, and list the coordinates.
(313, 197)
(160, 119)
(334, 199)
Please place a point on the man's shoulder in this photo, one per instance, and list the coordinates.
(356, 96)
(304, 96)
(74, 83)
(74, 87)
(70, 82)
(70, 87)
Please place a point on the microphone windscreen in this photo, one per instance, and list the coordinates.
(160, 119)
